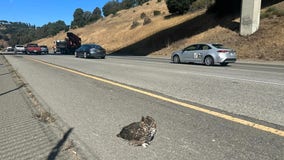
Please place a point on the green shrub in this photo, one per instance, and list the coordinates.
(141, 2)
(143, 15)
(156, 13)
(201, 4)
(147, 20)
(179, 6)
(272, 11)
(134, 24)
(279, 12)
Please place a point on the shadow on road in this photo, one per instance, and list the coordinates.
(55, 151)
(12, 90)
(3, 74)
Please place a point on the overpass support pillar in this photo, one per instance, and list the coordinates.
(250, 16)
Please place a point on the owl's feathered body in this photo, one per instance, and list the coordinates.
(139, 133)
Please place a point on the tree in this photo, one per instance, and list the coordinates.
(78, 18)
(21, 33)
(61, 26)
(126, 4)
(82, 18)
(87, 16)
(54, 28)
(111, 7)
(97, 14)
(140, 2)
(179, 6)
(50, 29)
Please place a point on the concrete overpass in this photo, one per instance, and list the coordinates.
(250, 16)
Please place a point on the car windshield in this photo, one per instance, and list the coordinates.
(95, 46)
(32, 45)
(19, 46)
(85, 47)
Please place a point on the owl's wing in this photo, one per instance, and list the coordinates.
(140, 134)
(128, 132)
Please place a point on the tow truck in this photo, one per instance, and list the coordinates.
(68, 45)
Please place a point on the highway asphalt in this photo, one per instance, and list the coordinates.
(78, 91)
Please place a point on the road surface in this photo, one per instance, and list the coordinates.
(233, 112)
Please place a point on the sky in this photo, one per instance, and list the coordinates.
(40, 12)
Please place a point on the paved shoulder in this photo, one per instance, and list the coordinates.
(22, 136)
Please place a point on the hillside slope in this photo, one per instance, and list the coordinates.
(266, 44)
(164, 35)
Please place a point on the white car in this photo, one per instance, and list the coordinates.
(9, 49)
(19, 48)
(205, 53)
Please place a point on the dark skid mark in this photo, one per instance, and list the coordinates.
(12, 90)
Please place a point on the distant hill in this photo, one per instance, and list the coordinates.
(12, 33)
(129, 33)
(3, 36)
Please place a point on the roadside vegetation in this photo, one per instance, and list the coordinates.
(272, 12)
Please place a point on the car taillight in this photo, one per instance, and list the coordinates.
(223, 51)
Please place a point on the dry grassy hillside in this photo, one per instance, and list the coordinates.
(164, 35)
(114, 32)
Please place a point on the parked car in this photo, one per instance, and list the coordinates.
(44, 49)
(90, 51)
(9, 49)
(19, 48)
(33, 48)
(205, 53)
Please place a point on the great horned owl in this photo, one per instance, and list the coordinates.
(140, 133)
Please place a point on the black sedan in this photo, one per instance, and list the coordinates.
(90, 51)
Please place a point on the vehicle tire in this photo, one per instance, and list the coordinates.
(103, 57)
(208, 61)
(176, 59)
(224, 63)
(85, 54)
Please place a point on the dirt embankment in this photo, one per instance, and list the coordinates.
(266, 44)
